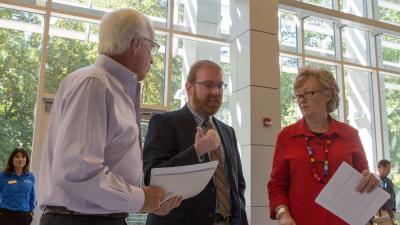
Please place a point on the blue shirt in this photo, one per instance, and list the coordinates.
(92, 160)
(17, 193)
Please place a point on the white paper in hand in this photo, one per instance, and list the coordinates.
(340, 197)
(185, 181)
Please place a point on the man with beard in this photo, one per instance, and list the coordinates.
(193, 135)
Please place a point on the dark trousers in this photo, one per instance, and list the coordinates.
(8, 217)
(65, 219)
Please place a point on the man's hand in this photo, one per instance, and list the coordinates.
(168, 205)
(207, 142)
(153, 195)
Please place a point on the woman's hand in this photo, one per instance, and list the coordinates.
(368, 183)
(286, 219)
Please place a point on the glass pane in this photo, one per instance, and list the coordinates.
(390, 57)
(137, 219)
(205, 17)
(155, 9)
(289, 110)
(153, 85)
(391, 119)
(72, 45)
(322, 3)
(288, 30)
(359, 109)
(319, 38)
(355, 46)
(185, 53)
(389, 11)
(333, 70)
(355, 7)
(20, 51)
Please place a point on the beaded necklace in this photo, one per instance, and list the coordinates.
(313, 162)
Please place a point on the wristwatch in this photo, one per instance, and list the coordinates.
(280, 210)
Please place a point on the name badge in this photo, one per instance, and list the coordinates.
(12, 181)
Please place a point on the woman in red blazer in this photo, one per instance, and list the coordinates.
(308, 152)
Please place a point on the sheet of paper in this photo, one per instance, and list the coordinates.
(341, 198)
(185, 181)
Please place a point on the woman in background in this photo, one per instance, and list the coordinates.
(17, 192)
(308, 152)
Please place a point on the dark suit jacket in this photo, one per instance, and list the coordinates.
(169, 142)
(387, 184)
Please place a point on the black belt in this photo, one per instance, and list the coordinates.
(218, 218)
(65, 211)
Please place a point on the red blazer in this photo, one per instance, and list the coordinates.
(291, 181)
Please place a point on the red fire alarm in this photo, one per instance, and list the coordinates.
(267, 122)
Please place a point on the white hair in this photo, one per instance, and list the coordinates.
(117, 29)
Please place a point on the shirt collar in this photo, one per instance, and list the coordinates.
(197, 117)
(123, 74)
(301, 128)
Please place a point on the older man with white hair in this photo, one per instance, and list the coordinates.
(91, 168)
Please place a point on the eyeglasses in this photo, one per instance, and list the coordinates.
(154, 46)
(305, 95)
(210, 85)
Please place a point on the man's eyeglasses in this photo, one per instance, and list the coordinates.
(305, 95)
(154, 46)
(210, 85)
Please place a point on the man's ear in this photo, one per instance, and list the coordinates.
(135, 43)
(188, 87)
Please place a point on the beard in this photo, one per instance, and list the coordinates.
(208, 106)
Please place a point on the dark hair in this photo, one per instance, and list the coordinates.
(10, 166)
(384, 163)
(198, 65)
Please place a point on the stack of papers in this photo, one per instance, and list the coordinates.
(340, 197)
(184, 181)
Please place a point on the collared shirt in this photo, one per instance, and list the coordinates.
(17, 193)
(200, 121)
(92, 156)
(292, 182)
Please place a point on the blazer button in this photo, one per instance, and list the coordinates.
(211, 215)
(212, 189)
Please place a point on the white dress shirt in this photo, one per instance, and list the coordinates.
(92, 156)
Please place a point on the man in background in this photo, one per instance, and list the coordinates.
(384, 167)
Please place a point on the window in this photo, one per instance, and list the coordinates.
(359, 109)
(20, 54)
(389, 11)
(289, 110)
(319, 38)
(355, 7)
(72, 45)
(355, 46)
(322, 3)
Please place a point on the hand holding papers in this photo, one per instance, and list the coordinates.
(340, 197)
(184, 181)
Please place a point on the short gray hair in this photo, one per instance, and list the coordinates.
(117, 29)
(325, 79)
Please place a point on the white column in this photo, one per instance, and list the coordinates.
(256, 83)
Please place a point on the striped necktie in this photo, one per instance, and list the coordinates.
(224, 206)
